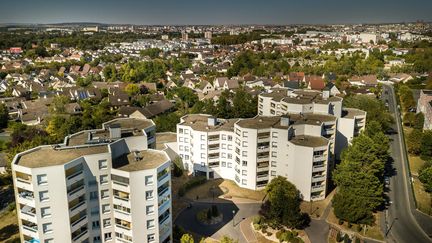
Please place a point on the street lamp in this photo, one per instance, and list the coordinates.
(233, 217)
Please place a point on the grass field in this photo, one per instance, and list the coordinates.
(8, 227)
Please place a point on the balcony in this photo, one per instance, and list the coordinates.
(162, 177)
(26, 198)
(320, 158)
(318, 178)
(262, 177)
(78, 207)
(318, 168)
(318, 188)
(28, 213)
(77, 176)
(263, 135)
(75, 193)
(213, 138)
(80, 233)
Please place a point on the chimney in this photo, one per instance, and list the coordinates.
(212, 121)
(284, 121)
(115, 131)
(326, 94)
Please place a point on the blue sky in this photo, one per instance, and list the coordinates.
(215, 11)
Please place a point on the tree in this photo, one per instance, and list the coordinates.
(426, 146)
(376, 110)
(425, 176)
(226, 239)
(151, 52)
(4, 116)
(187, 238)
(284, 204)
(132, 89)
(414, 141)
(58, 104)
(359, 176)
(409, 119)
(418, 121)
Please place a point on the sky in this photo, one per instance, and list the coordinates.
(177, 12)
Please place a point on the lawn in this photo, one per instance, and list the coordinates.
(8, 227)
(422, 198)
(373, 231)
(316, 209)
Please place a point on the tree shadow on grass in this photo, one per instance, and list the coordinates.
(7, 231)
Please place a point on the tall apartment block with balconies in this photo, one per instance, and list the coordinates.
(103, 185)
(298, 137)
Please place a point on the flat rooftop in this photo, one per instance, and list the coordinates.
(310, 118)
(166, 137)
(129, 123)
(199, 122)
(352, 113)
(129, 127)
(140, 160)
(309, 141)
(300, 96)
(259, 122)
(50, 156)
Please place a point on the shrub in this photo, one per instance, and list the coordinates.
(349, 225)
(257, 220)
(257, 226)
(269, 233)
(359, 228)
(340, 222)
(338, 236)
(346, 238)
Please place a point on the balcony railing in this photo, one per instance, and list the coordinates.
(33, 228)
(76, 190)
(163, 177)
(74, 175)
(77, 206)
(163, 191)
(79, 220)
(79, 236)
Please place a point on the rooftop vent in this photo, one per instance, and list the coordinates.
(212, 121)
(115, 131)
(137, 155)
(284, 121)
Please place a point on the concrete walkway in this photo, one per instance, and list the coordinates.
(246, 229)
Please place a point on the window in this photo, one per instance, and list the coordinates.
(47, 228)
(223, 146)
(105, 208)
(245, 134)
(180, 139)
(107, 223)
(244, 163)
(94, 210)
(150, 224)
(186, 157)
(104, 194)
(229, 156)
(103, 164)
(92, 183)
(49, 241)
(149, 180)
(186, 140)
(229, 138)
(180, 130)
(273, 163)
(274, 144)
(244, 153)
(223, 155)
(202, 137)
(229, 147)
(186, 131)
(274, 134)
(229, 165)
(244, 182)
(42, 179)
(203, 156)
(202, 146)
(223, 164)
(244, 172)
(96, 239)
(43, 196)
(107, 236)
(273, 173)
(181, 148)
(93, 195)
(95, 224)
(224, 137)
(149, 195)
(45, 212)
(103, 179)
(245, 144)
(274, 154)
(202, 164)
(150, 209)
(151, 238)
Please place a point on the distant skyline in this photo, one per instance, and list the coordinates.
(177, 12)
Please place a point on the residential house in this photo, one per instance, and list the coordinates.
(424, 105)
(366, 80)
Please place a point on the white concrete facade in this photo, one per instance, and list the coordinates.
(114, 190)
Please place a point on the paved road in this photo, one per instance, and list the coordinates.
(403, 222)
(187, 219)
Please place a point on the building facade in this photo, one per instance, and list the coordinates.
(104, 185)
(424, 105)
(292, 137)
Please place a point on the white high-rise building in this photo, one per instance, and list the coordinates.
(300, 143)
(103, 185)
